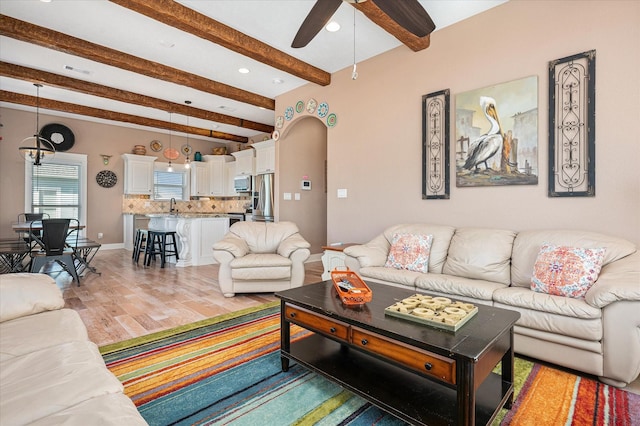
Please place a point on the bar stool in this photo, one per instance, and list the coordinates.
(158, 244)
(140, 243)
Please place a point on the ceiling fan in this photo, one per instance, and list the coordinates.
(407, 13)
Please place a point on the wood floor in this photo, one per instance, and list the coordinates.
(130, 300)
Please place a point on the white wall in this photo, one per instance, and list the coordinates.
(375, 150)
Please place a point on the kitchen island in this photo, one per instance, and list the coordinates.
(196, 232)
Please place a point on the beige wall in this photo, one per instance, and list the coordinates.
(104, 213)
(375, 149)
(304, 153)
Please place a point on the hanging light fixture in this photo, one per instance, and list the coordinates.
(354, 73)
(187, 162)
(170, 168)
(39, 147)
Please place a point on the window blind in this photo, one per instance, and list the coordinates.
(56, 190)
(168, 185)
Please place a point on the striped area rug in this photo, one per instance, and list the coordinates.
(227, 370)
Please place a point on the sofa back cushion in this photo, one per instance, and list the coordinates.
(481, 253)
(27, 294)
(441, 237)
(263, 237)
(528, 243)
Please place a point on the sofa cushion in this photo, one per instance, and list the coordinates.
(27, 294)
(527, 245)
(410, 252)
(458, 286)
(566, 271)
(47, 381)
(34, 332)
(396, 276)
(482, 254)
(519, 297)
(441, 237)
(114, 409)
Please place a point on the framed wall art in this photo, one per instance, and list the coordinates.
(497, 134)
(435, 145)
(572, 113)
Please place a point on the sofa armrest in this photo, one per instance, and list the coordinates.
(618, 281)
(232, 244)
(292, 243)
(28, 294)
(373, 253)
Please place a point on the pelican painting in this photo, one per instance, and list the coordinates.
(487, 145)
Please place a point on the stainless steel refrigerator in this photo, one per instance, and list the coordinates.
(263, 198)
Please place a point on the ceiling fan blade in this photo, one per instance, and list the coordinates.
(317, 18)
(409, 14)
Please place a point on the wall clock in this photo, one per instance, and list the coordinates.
(59, 135)
(106, 178)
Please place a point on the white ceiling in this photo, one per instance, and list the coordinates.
(274, 22)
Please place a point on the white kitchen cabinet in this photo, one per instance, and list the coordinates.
(265, 156)
(230, 174)
(217, 173)
(200, 179)
(138, 174)
(245, 162)
(197, 235)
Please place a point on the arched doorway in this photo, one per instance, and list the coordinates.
(302, 154)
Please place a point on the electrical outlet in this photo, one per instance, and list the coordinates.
(100, 235)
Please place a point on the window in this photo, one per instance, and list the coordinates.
(58, 187)
(167, 185)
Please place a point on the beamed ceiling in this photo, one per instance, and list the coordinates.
(136, 62)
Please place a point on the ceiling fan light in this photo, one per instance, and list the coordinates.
(332, 27)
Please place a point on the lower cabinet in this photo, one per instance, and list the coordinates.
(197, 236)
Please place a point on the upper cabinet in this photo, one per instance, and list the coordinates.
(245, 162)
(200, 179)
(138, 174)
(230, 174)
(265, 156)
(217, 170)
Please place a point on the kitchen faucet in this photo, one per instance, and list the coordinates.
(172, 206)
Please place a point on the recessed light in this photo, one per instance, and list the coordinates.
(74, 69)
(332, 27)
(45, 1)
(277, 81)
(243, 70)
(166, 43)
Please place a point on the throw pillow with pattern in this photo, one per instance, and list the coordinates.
(566, 271)
(410, 252)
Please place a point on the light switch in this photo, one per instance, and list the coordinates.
(287, 195)
(296, 196)
(342, 193)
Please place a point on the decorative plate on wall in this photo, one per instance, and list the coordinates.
(59, 135)
(155, 146)
(106, 178)
(171, 154)
(186, 149)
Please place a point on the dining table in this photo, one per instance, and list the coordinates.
(12, 255)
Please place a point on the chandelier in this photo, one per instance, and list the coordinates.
(35, 148)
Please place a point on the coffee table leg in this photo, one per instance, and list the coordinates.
(466, 393)
(285, 338)
(508, 369)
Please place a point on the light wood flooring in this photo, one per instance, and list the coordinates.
(129, 300)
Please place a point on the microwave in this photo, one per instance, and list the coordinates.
(242, 183)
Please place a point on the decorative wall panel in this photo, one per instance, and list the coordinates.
(435, 145)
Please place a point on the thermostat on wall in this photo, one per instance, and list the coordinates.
(305, 184)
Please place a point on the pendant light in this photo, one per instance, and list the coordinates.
(170, 168)
(39, 148)
(187, 162)
(354, 73)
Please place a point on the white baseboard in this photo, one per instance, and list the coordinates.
(316, 257)
(112, 246)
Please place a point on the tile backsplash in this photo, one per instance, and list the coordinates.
(132, 204)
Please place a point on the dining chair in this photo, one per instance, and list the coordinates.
(30, 217)
(58, 245)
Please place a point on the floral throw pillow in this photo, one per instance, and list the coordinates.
(410, 251)
(566, 271)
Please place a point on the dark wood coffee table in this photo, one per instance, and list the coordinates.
(418, 373)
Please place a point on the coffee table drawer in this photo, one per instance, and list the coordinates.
(317, 322)
(425, 362)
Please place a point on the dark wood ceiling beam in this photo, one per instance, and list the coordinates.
(376, 15)
(30, 33)
(63, 82)
(176, 15)
(20, 99)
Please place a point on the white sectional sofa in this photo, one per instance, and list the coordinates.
(597, 333)
(50, 373)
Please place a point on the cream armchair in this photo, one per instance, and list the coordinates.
(259, 257)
